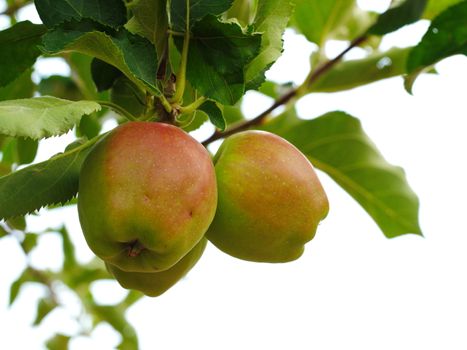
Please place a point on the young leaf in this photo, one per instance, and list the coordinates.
(215, 114)
(271, 20)
(38, 185)
(318, 19)
(41, 117)
(108, 12)
(336, 144)
(19, 49)
(198, 9)
(408, 12)
(217, 58)
(446, 36)
(133, 55)
(150, 20)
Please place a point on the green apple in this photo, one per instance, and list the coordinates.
(154, 284)
(147, 194)
(270, 200)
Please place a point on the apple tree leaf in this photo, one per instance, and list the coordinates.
(408, 12)
(215, 114)
(336, 144)
(218, 54)
(108, 12)
(19, 49)
(446, 36)
(45, 306)
(435, 7)
(197, 9)
(271, 20)
(51, 182)
(58, 342)
(41, 117)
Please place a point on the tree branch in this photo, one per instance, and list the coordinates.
(299, 91)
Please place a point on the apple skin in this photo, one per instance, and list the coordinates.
(270, 200)
(154, 284)
(147, 194)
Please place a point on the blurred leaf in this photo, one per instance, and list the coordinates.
(38, 185)
(15, 288)
(29, 242)
(108, 12)
(89, 126)
(41, 117)
(150, 21)
(21, 87)
(17, 223)
(103, 74)
(44, 307)
(435, 7)
(81, 74)
(446, 36)
(353, 73)
(198, 9)
(133, 55)
(217, 58)
(409, 79)
(68, 250)
(336, 144)
(19, 49)
(408, 12)
(58, 342)
(233, 114)
(215, 114)
(271, 20)
(61, 87)
(319, 19)
(27, 150)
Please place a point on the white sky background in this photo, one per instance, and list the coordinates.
(352, 288)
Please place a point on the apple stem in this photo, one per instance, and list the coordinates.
(135, 248)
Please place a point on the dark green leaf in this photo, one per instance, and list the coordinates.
(150, 20)
(446, 36)
(18, 49)
(127, 95)
(27, 150)
(214, 113)
(408, 12)
(89, 126)
(103, 74)
(61, 87)
(271, 20)
(108, 12)
(217, 58)
(21, 87)
(58, 342)
(337, 144)
(29, 242)
(198, 9)
(50, 182)
(350, 74)
(41, 117)
(131, 54)
(44, 307)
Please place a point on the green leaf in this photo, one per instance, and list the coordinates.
(408, 12)
(3, 232)
(133, 55)
(21, 87)
(198, 9)
(68, 248)
(103, 74)
(44, 307)
(319, 19)
(127, 95)
(446, 36)
(27, 150)
(215, 114)
(271, 20)
(108, 12)
(29, 242)
(58, 342)
(336, 144)
(41, 117)
(19, 49)
(17, 223)
(38, 185)
(350, 74)
(61, 87)
(150, 20)
(15, 288)
(435, 7)
(217, 58)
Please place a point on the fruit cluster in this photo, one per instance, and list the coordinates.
(150, 197)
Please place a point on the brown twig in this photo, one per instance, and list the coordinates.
(311, 78)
